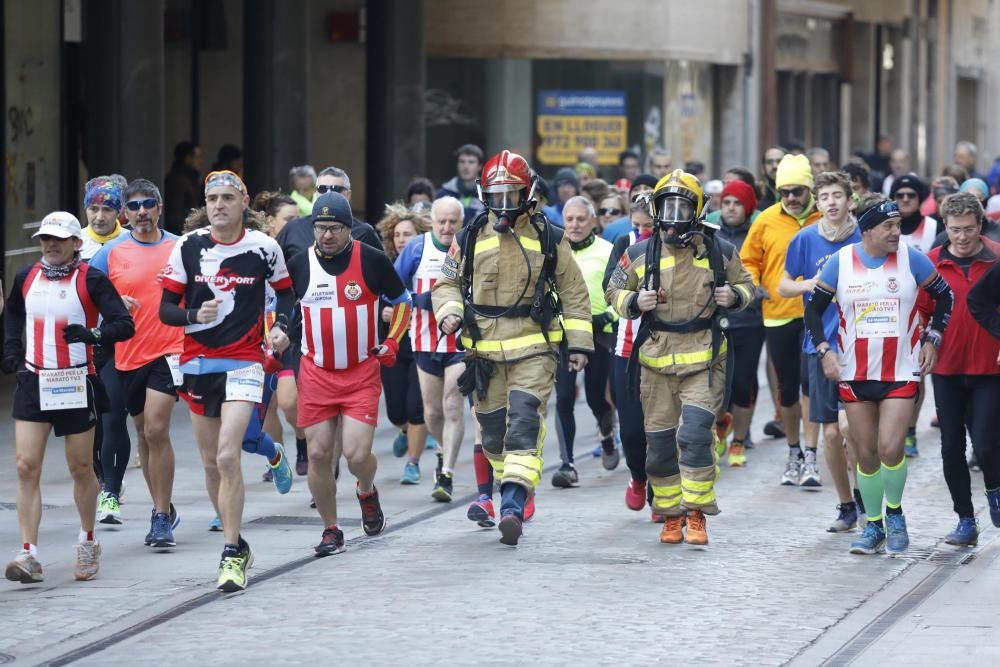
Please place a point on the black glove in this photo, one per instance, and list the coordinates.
(77, 333)
(10, 364)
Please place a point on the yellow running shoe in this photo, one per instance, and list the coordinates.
(233, 570)
(737, 455)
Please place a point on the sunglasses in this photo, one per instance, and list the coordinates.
(905, 195)
(609, 211)
(331, 229)
(141, 203)
(793, 192)
(323, 189)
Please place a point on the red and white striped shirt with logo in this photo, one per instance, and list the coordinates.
(424, 332)
(627, 328)
(49, 306)
(339, 315)
(892, 289)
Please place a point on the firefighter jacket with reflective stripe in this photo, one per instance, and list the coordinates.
(499, 276)
(686, 285)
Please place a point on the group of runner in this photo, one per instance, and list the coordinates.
(250, 304)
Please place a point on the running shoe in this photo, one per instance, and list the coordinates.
(993, 498)
(443, 489)
(871, 541)
(175, 520)
(774, 429)
(672, 532)
(282, 471)
(331, 543)
(896, 537)
(24, 568)
(233, 569)
(793, 470)
(372, 518)
(748, 442)
(399, 445)
(510, 529)
(566, 477)
(109, 510)
(597, 452)
(696, 533)
(847, 519)
(268, 476)
(809, 472)
(215, 525)
(966, 533)
(737, 456)
(910, 445)
(88, 560)
(481, 511)
(529, 508)
(301, 465)
(610, 457)
(431, 442)
(411, 474)
(656, 518)
(161, 536)
(635, 495)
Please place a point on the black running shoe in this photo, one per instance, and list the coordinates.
(773, 429)
(331, 543)
(443, 489)
(371, 513)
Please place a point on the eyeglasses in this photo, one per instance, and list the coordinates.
(963, 231)
(793, 192)
(609, 211)
(905, 195)
(323, 189)
(331, 229)
(141, 203)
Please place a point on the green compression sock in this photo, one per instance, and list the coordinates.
(894, 479)
(872, 490)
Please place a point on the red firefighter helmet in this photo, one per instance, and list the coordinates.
(507, 184)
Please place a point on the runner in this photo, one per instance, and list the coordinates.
(438, 359)
(55, 304)
(967, 376)
(148, 362)
(875, 283)
(807, 253)
(591, 254)
(338, 282)
(220, 273)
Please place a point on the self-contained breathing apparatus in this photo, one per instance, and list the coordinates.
(507, 189)
(677, 207)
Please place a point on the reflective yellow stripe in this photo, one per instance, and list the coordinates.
(680, 358)
(697, 485)
(524, 466)
(703, 499)
(511, 343)
(487, 244)
(665, 263)
(494, 242)
(701, 263)
(578, 325)
(620, 302)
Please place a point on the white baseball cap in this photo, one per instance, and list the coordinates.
(60, 224)
(714, 187)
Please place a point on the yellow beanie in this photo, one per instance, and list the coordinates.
(794, 170)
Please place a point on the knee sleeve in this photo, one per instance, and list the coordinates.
(695, 437)
(525, 423)
(494, 427)
(661, 453)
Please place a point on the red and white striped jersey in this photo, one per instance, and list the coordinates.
(339, 315)
(424, 333)
(48, 307)
(923, 236)
(879, 329)
(627, 328)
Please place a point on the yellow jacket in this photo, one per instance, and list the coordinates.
(763, 255)
(686, 286)
(499, 276)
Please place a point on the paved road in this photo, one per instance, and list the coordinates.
(589, 583)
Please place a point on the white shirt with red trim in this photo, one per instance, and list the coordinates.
(49, 306)
(923, 236)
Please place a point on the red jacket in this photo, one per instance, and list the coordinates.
(966, 348)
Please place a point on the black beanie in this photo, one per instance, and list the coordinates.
(333, 207)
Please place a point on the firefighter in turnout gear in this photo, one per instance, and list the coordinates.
(680, 281)
(499, 285)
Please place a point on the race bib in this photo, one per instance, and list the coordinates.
(876, 318)
(174, 363)
(62, 389)
(246, 384)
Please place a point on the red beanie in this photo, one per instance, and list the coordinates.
(746, 194)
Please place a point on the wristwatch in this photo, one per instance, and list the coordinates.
(96, 333)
